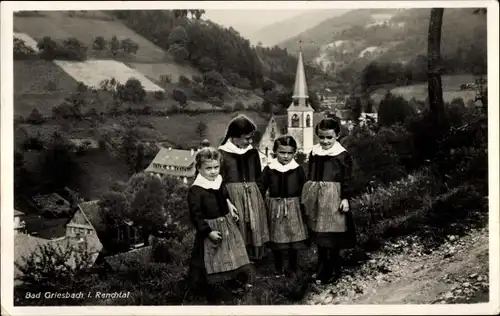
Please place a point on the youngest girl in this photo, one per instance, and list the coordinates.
(284, 178)
(219, 252)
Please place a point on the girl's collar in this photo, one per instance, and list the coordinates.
(230, 147)
(336, 149)
(203, 182)
(276, 165)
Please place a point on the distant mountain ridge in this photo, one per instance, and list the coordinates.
(278, 32)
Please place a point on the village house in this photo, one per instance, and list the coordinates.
(174, 162)
(81, 237)
(87, 220)
(19, 225)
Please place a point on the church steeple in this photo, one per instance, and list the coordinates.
(300, 87)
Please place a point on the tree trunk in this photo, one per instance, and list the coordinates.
(436, 103)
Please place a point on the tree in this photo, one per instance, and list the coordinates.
(59, 166)
(178, 36)
(53, 267)
(393, 109)
(180, 96)
(114, 45)
(179, 52)
(35, 117)
(131, 150)
(99, 43)
(206, 64)
(133, 91)
(435, 87)
(201, 129)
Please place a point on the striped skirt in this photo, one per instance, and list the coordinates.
(328, 226)
(253, 225)
(286, 225)
(229, 254)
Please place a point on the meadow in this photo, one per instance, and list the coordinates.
(59, 26)
(451, 90)
(93, 72)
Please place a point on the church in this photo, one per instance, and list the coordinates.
(299, 121)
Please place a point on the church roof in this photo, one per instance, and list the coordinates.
(300, 87)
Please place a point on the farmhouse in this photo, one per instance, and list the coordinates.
(80, 237)
(19, 226)
(175, 162)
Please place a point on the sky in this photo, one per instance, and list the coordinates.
(248, 21)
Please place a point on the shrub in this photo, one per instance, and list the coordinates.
(22, 51)
(35, 117)
(159, 95)
(180, 96)
(129, 46)
(166, 78)
(197, 79)
(184, 81)
(179, 52)
(133, 91)
(238, 106)
(394, 109)
(99, 43)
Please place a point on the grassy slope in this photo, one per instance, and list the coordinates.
(451, 90)
(31, 79)
(60, 26)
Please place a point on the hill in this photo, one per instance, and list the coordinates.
(326, 31)
(361, 36)
(276, 33)
(59, 25)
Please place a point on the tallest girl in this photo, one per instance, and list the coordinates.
(240, 170)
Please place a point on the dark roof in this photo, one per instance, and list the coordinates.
(91, 211)
(139, 256)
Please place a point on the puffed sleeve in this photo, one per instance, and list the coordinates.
(263, 181)
(258, 164)
(302, 176)
(310, 165)
(347, 164)
(195, 211)
(225, 192)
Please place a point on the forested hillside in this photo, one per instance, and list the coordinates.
(209, 46)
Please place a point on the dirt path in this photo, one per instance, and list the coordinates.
(456, 272)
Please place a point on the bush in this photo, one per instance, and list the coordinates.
(238, 106)
(166, 78)
(70, 49)
(180, 96)
(394, 109)
(133, 91)
(159, 95)
(197, 79)
(23, 51)
(184, 81)
(99, 43)
(35, 117)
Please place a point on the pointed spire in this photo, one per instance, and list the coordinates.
(300, 87)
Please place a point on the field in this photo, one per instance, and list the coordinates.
(451, 90)
(59, 26)
(181, 128)
(155, 70)
(39, 84)
(92, 72)
(28, 40)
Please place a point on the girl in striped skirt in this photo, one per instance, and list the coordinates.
(219, 252)
(241, 168)
(284, 178)
(326, 200)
